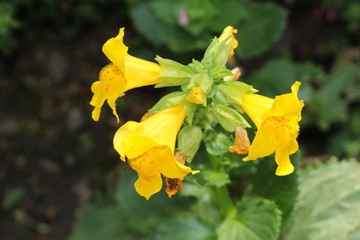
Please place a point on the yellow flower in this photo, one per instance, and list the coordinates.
(124, 73)
(149, 147)
(229, 32)
(277, 122)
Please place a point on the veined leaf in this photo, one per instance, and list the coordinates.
(256, 219)
(263, 25)
(328, 203)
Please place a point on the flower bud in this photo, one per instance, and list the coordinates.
(228, 118)
(189, 140)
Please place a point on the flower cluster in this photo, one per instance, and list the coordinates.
(170, 134)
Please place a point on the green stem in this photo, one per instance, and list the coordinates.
(221, 194)
(223, 199)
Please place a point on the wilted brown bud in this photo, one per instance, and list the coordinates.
(175, 184)
(242, 143)
(237, 73)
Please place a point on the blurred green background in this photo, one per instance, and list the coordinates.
(54, 160)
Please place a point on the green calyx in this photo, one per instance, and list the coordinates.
(203, 89)
(217, 54)
(189, 139)
(229, 118)
(232, 91)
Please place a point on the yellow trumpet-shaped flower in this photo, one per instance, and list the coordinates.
(229, 32)
(124, 73)
(277, 122)
(149, 147)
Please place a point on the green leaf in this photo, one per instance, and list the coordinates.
(328, 203)
(199, 12)
(180, 41)
(283, 190)
(277, 76)
(354, 235)
(182, 227)
(256, 219)
(263, 25)
(167, 11)
(147, 23)
(101, 220)
(144, 215)
(216, 178)
(346, 141)
(229, 13)
(12, 197)
(331, 93)
(217, 143)
(204, 206)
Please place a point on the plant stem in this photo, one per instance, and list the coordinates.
(221, 194)
(223, 199)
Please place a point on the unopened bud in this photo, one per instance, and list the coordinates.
(237, 73)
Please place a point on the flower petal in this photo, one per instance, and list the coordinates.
(288, 104)
(139, 72)
(261, 146)
(115, 50)
(170, 167)
(121, 134)
(164, 126)
(157, 160)
(148, 185)
(283, 161)
(109, 87)
(135, 145)
(255, 106)
(228, 33)
(197, 95)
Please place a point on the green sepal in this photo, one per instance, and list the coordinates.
(172, 99)
(220, 98)
(190, 109)
(217, 53)
(189, 140)
(219, 74)
(167, 101)
(173, 73)
(233, 90)
(203, 80)
(229, 118)
(196, 66)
